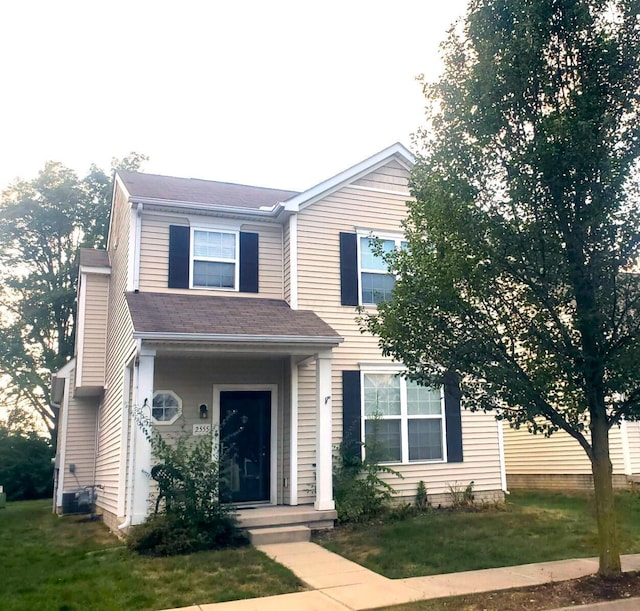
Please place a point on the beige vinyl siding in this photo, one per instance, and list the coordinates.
(319, 226)
(193, 380)
(633, 437)
(154, 256)
(560, 454)
(80, 441)
(120, 347)
(95, 329)
(392, 177)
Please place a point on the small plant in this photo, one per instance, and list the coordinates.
(192, 515)
(422, 501)
(360, 492)
(461, 497)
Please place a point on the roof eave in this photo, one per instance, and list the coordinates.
(238, 338)
(264, 212)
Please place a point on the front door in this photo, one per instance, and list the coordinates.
(245, 417)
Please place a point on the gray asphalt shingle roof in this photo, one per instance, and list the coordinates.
(195, 190)
(94, 257)
(215, 315)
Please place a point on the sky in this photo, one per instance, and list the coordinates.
(272, 93)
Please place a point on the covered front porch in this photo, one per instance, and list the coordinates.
(244, 390)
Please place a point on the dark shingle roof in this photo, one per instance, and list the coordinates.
(93, 257)
(197, 191)
(215, 315)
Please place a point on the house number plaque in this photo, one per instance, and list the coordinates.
(201, 429)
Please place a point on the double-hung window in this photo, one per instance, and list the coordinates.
(376, 283)
(214, 259)
(403, 421)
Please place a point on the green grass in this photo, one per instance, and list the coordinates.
(68, 564)
(531, 527)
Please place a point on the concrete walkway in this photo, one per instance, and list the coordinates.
(337, 584)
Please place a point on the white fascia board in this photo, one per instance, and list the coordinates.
(117, 183)
(193, 206)
(397, 150)
(100, 271)
(65, 370)
(240, 339)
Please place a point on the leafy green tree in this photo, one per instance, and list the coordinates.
(43, 223)
(525, 230)
(26, 470)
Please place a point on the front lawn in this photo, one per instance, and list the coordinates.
(69, 564)
(531, 527)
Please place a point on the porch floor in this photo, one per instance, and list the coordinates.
(286, 515)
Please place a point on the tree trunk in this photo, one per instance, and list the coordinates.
(603, 487)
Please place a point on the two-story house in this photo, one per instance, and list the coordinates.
(215, 302)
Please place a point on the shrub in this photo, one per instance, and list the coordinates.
(191, 515)
(26, 470)
(422, 501)
(359, 491)
(461, 497)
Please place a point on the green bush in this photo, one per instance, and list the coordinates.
(422, 500)
(26, 470)
(168, 534)
(191, 513)
(360, 493)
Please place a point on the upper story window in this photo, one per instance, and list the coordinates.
(403, 421)
(215, 259)
(376, 283)
(166, 407)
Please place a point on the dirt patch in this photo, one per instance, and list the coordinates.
(586, 590)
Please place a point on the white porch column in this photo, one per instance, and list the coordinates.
(324, 409)
(142, 447)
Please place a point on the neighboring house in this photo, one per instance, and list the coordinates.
(558, 461)
(217, 301)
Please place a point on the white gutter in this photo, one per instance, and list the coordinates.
(272, 212)
(237, 338)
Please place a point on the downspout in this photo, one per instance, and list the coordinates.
(131, 439)
(59, 458)
(503, 467)
(138, 237)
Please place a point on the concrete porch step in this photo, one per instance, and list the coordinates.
(286, 515)
(279, 534)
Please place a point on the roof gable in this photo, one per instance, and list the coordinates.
(396, 153)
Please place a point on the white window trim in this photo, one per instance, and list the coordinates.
(396, 237)
(404, 418)
(178, 413)
(236, 261)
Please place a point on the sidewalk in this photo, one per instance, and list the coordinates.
(337, 584)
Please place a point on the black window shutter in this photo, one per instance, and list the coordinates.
(248, 262)
(179, 237)
(349, 268)
(452, 396)
(351, 413)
